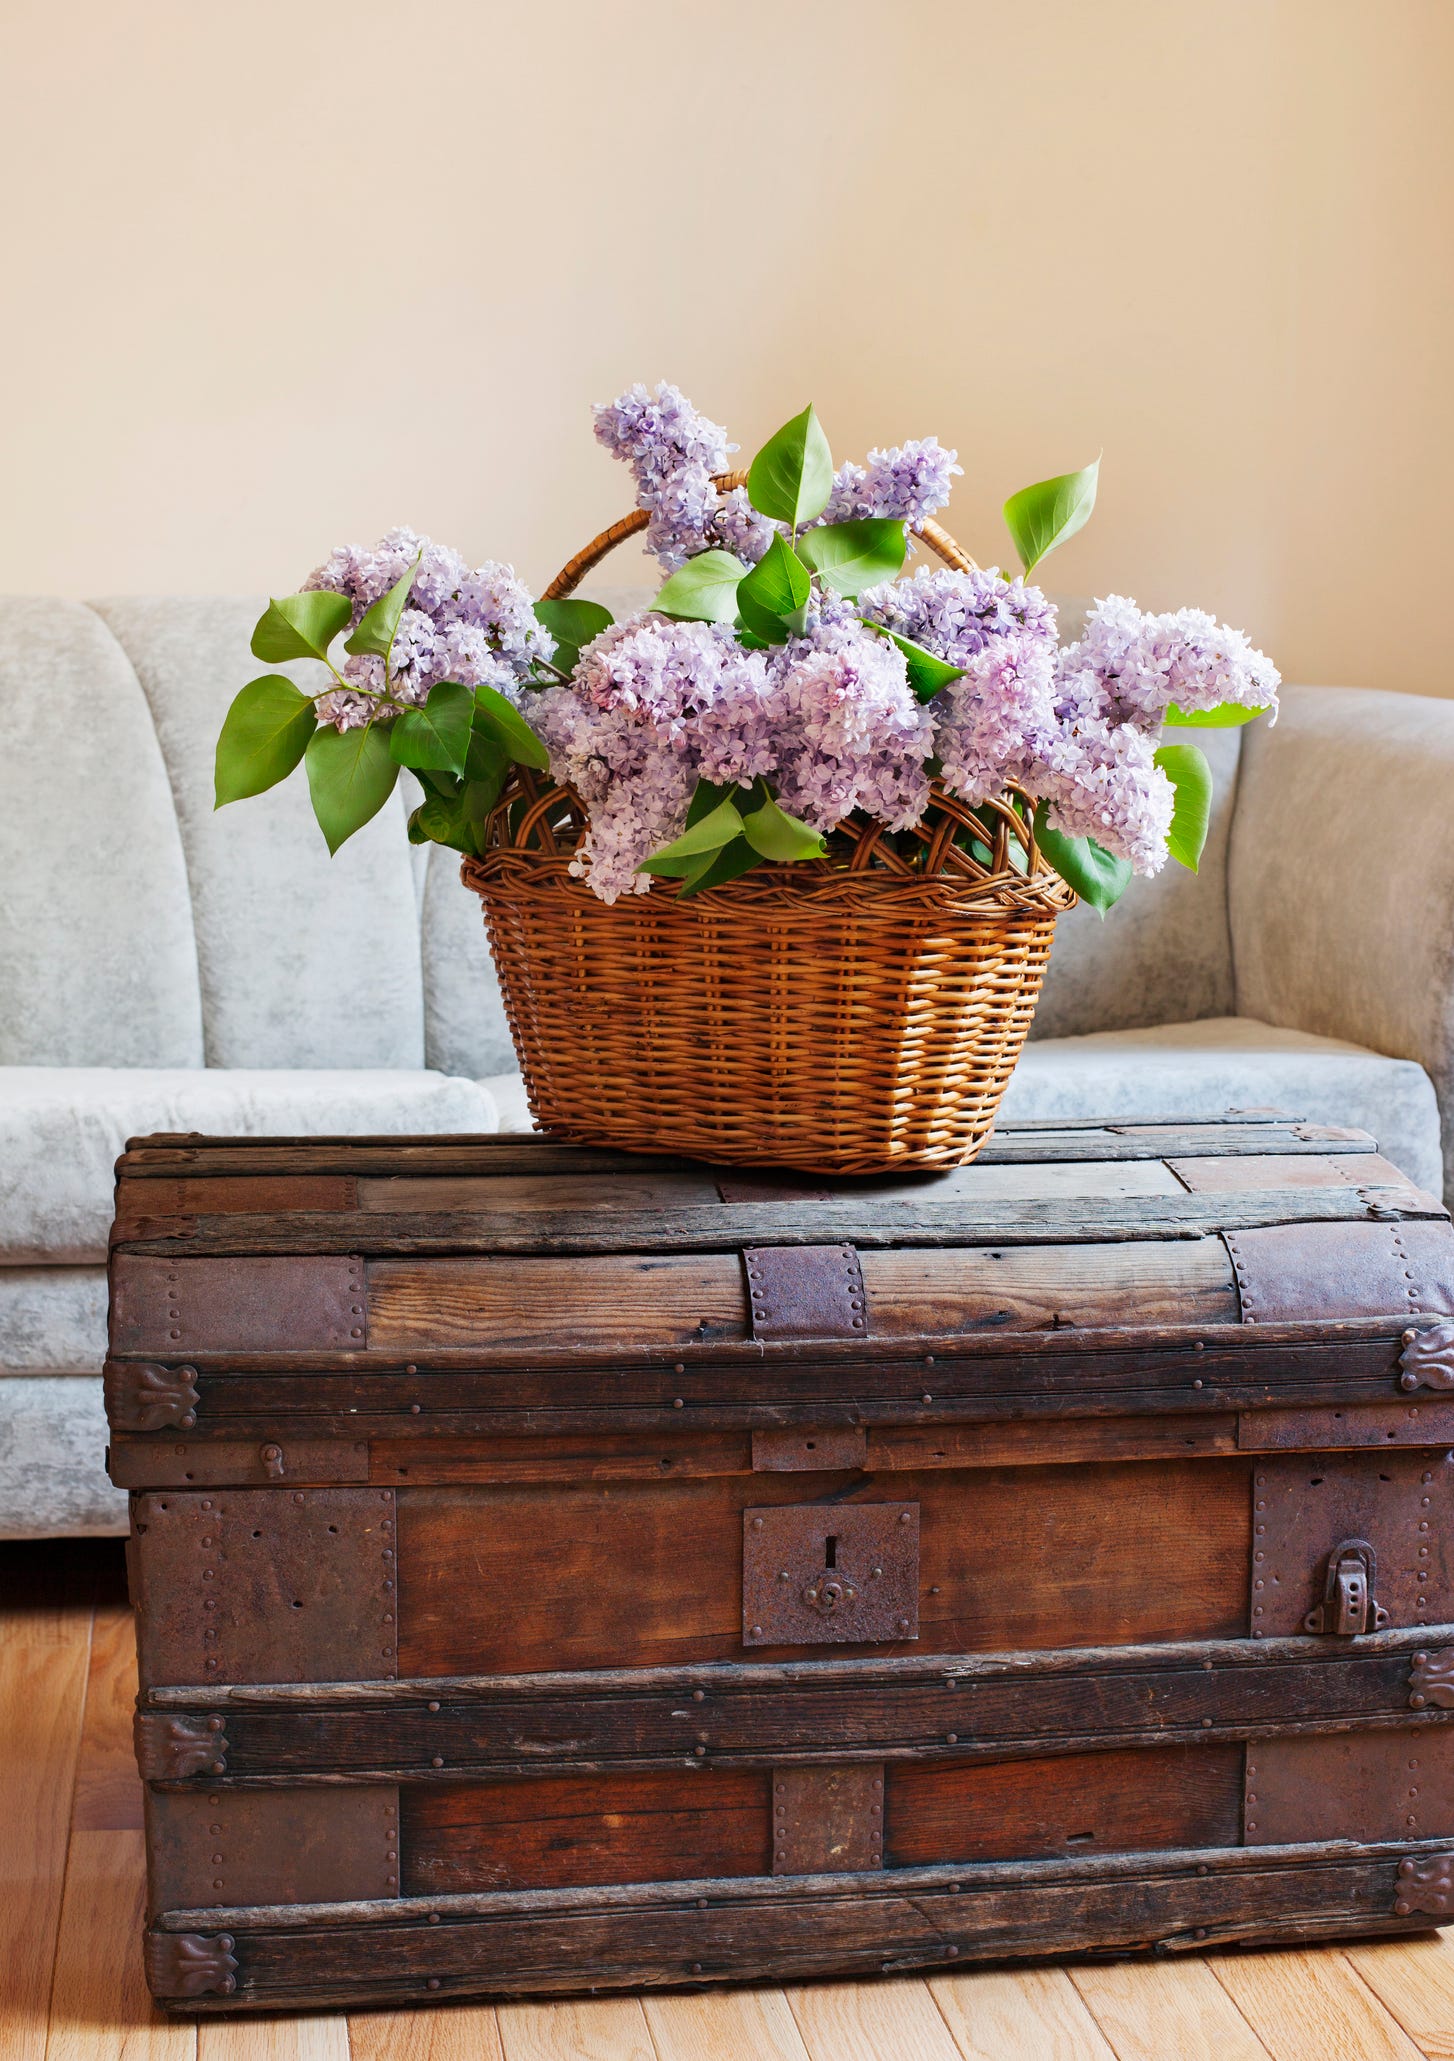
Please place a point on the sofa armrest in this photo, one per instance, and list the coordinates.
(1341, 876)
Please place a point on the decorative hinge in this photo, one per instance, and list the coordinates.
(1349, 1607)
(141, 1396)
(1427, 1359)
(188, 1964)
(1426, 1886)
(1431, 1680)
(171, 1747)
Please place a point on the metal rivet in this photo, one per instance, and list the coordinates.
(434, 1917)
(437, 1761)
(433, 1982)
(698, 1695)
(699, 1751)
(951, 1738)
(926, 1399)
(676, 1402)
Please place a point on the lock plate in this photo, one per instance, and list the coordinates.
(830, 1574)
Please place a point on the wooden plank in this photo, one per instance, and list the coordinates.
(1289, 1170)
(1055, 1442)
(417, 1306)
(627, 1456)
(1032, 2014)
(445, 2032)
(589, 2029)
(415, 1193)
(867, 1222)
(733, 2025)
(44, 1644)
(1077, 1804)
(493, 1579)
(560, 1829)
(851, 2021)
(108, 1789)
(479, 1303)
(1157, 2010)
(1414, 1980)
(1010, 1143)
(1312, 2005)
(100, 2008)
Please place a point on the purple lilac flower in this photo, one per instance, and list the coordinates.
(849, 731)
(907, 484)
(1145, 662)
(653, 706)
(660, 435)
(1101, 781)
(986, 720)
(473, 624)
(737, 527)
(956, 614)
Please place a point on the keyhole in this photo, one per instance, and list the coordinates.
(830, 1550)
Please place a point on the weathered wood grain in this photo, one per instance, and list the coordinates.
(658, 1826)
(867, 1222)
(1108, 1802)
(707, 1931)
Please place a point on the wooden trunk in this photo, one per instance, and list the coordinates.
(561, 1570)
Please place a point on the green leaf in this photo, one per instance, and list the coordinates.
(705, 797)
(727, 864)
(265, 733)
(351, 774)
(762, 627)
(791, 477)
(779, 583)
(500, 720)
(1229, 715)
(376, 629)
(486, 756)
(854, 555)
(717, 828)
(1097, 877)
(1185, 766)
(438, 734)
(704, 590)
(1050, 512)
(776, 835)
(572, 624)
(299, 626)
(927, 671)
(457, 819)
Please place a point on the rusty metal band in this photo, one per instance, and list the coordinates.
(805, 1291)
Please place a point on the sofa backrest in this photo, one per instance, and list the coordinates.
(1163, 954)
(140, 928)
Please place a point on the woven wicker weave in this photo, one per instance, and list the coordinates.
(844, 1018)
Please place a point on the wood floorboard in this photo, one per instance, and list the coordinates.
(46, 1602)
(894, 2020)
(1414, 1979)
(71, 1892)
(1156, 2010)
(1312, 2007)
(730, 2026)
(1006, 2017)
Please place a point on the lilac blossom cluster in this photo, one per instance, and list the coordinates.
(906, 484)
(673, 452)
(829, 717)
(474, 624)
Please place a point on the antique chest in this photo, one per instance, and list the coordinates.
(557, 1570)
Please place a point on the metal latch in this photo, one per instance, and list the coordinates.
(1349, 1606)
(830, 1573)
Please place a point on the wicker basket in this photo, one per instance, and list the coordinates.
(853, 1018)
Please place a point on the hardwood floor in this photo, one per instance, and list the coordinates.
(70, 1914)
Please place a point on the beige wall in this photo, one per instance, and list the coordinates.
(283, 274)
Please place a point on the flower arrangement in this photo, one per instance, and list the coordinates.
(785, 679)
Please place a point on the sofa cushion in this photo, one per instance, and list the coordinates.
(53, 1460)
(61, 1129)
(305, 960)
(1234, 1062)
(52, 1320)
(97, 960)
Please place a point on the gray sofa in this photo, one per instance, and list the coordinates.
(163, 967)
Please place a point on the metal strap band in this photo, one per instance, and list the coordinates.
(805, 1291)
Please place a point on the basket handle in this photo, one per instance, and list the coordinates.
(570, 576)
